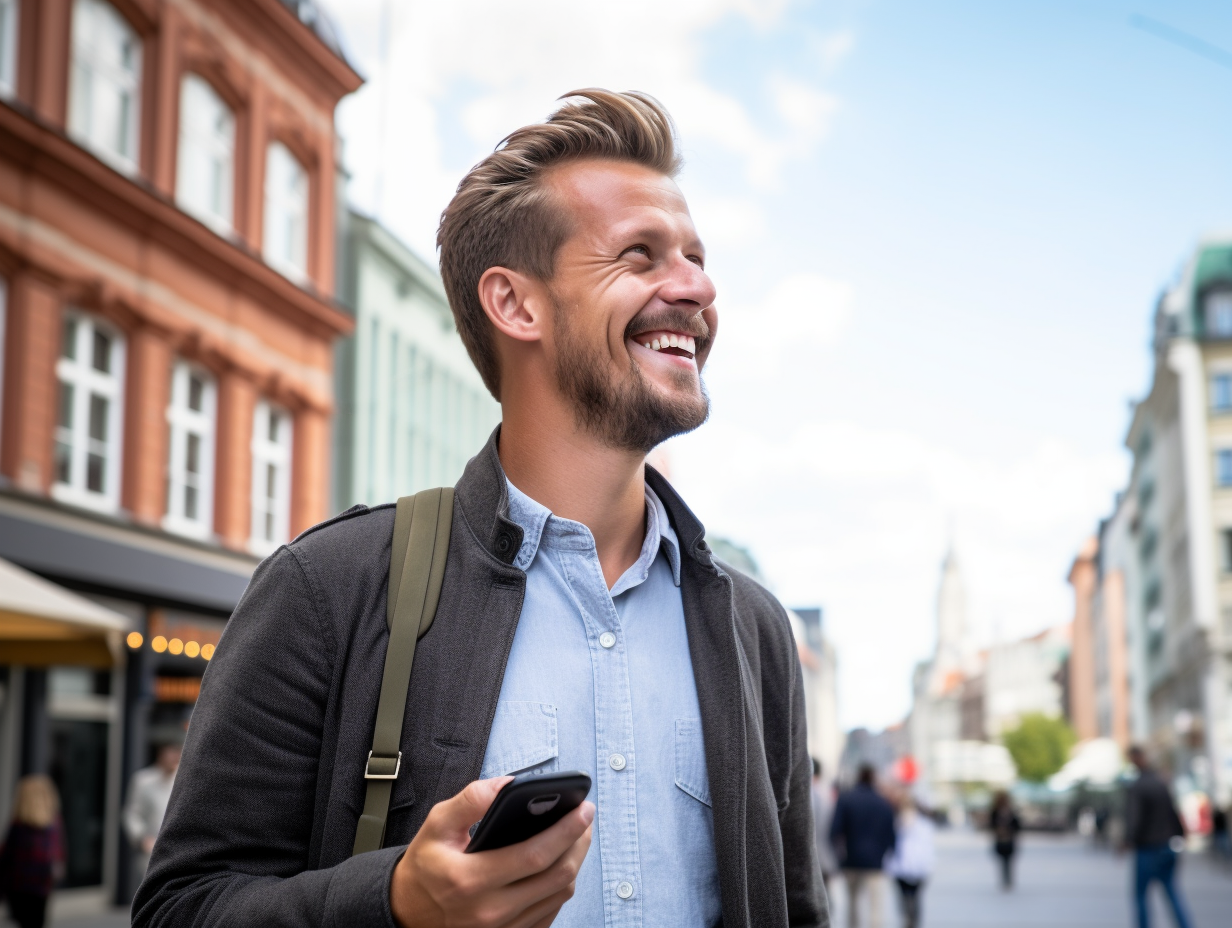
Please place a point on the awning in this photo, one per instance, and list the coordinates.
(42, 624)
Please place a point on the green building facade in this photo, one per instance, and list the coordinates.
(412, 409)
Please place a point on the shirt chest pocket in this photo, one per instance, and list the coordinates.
(691, 773)
(523, 738)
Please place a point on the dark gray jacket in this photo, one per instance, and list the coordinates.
(262, 818)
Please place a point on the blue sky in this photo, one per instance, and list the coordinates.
(938, 231)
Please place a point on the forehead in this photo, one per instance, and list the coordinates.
(611, 197)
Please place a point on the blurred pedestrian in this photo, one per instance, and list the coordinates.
(149, 791)
(1004, 824)
(823, 815)
(911, 863)
(1220, 839)
(862, 834)
(1154, 829)
(32, 857)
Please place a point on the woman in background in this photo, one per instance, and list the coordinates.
(911, 862)
(1004, 824)
(32, 857)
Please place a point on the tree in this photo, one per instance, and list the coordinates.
(1039, 745)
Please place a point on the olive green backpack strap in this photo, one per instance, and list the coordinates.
(416, 569)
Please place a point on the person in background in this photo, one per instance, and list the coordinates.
(1154, 830)
(1004, 824)
(862, 834)
(32, 857)
(914, 854)
(1221, 842)
(823, 814)
(149, 791)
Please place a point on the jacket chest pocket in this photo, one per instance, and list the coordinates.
(691, 775)
(523, 738)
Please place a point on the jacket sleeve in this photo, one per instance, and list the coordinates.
(234, 848)
(806, 894)
(1133, 814)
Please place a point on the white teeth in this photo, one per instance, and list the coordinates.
(690, 346)
(647, 344)
(655, 344)
(673, 341)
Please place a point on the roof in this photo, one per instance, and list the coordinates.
(322, 25)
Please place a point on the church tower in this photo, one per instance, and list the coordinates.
(951, 657)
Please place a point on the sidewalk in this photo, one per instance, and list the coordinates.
(1062, 882)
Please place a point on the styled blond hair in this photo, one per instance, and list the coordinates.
(37, 803)
(502, 215)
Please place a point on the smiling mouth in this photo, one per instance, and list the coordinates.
(673, 343)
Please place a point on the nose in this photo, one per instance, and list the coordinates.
(687, 284)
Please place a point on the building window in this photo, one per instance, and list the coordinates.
(205, 170)
(286, 212)
(87, 448)
(1223, 467)
(1221, 392)
(1225, 550)
(190, 468)
(104, 98)
(8, 47)
(271, 478)
(1219, 315)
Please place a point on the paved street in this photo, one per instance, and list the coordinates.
(1062, 883)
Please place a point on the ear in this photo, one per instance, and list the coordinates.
(514, 302)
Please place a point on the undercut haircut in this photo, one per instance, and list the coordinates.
(503, 215)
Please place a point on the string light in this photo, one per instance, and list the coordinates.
(134, 640)
(191, 649)
(175, 646)
(159, 644)
(207, 651)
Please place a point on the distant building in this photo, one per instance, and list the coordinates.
(166, 244)
(1024, 677)
(1170, 537)
(819, 662)
(412, 409)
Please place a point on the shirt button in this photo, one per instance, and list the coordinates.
(617, 762)
(624, 890)
(607, 639)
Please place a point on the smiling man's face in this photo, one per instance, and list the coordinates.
(634, 315)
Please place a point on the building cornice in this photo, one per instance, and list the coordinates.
(39, 148)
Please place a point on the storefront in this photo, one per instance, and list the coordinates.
(105, 633)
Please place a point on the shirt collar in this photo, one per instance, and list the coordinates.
(538, 522)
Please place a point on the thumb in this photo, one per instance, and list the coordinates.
(469, 806)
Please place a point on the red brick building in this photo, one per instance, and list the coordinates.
(167, 243)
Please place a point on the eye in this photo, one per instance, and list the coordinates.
(698, 260)
(637, 250)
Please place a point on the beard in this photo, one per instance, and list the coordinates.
(626, 413)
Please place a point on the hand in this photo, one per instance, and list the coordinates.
(437, 885)
(147, 844)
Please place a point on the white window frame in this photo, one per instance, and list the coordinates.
(94, 74)
(1219, 315)
(79, 372)
(270, 453)
(185, 423)
(1216, 377)
(1223, 456)
(205, 160)
(10, 21)
(287, 194)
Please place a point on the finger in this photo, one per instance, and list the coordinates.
(547, 884)
(543, 913)
(452, 819)
(518, 861)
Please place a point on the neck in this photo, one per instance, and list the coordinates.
(577, 477)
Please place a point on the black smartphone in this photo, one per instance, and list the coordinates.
(527, 805)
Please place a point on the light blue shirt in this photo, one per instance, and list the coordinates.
(602, 682)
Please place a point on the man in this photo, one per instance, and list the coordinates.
(823, 815)
(149, 791)
(863, 834)
(1154, 830)
(583, 621)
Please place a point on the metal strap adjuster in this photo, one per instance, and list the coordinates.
(369, 775)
